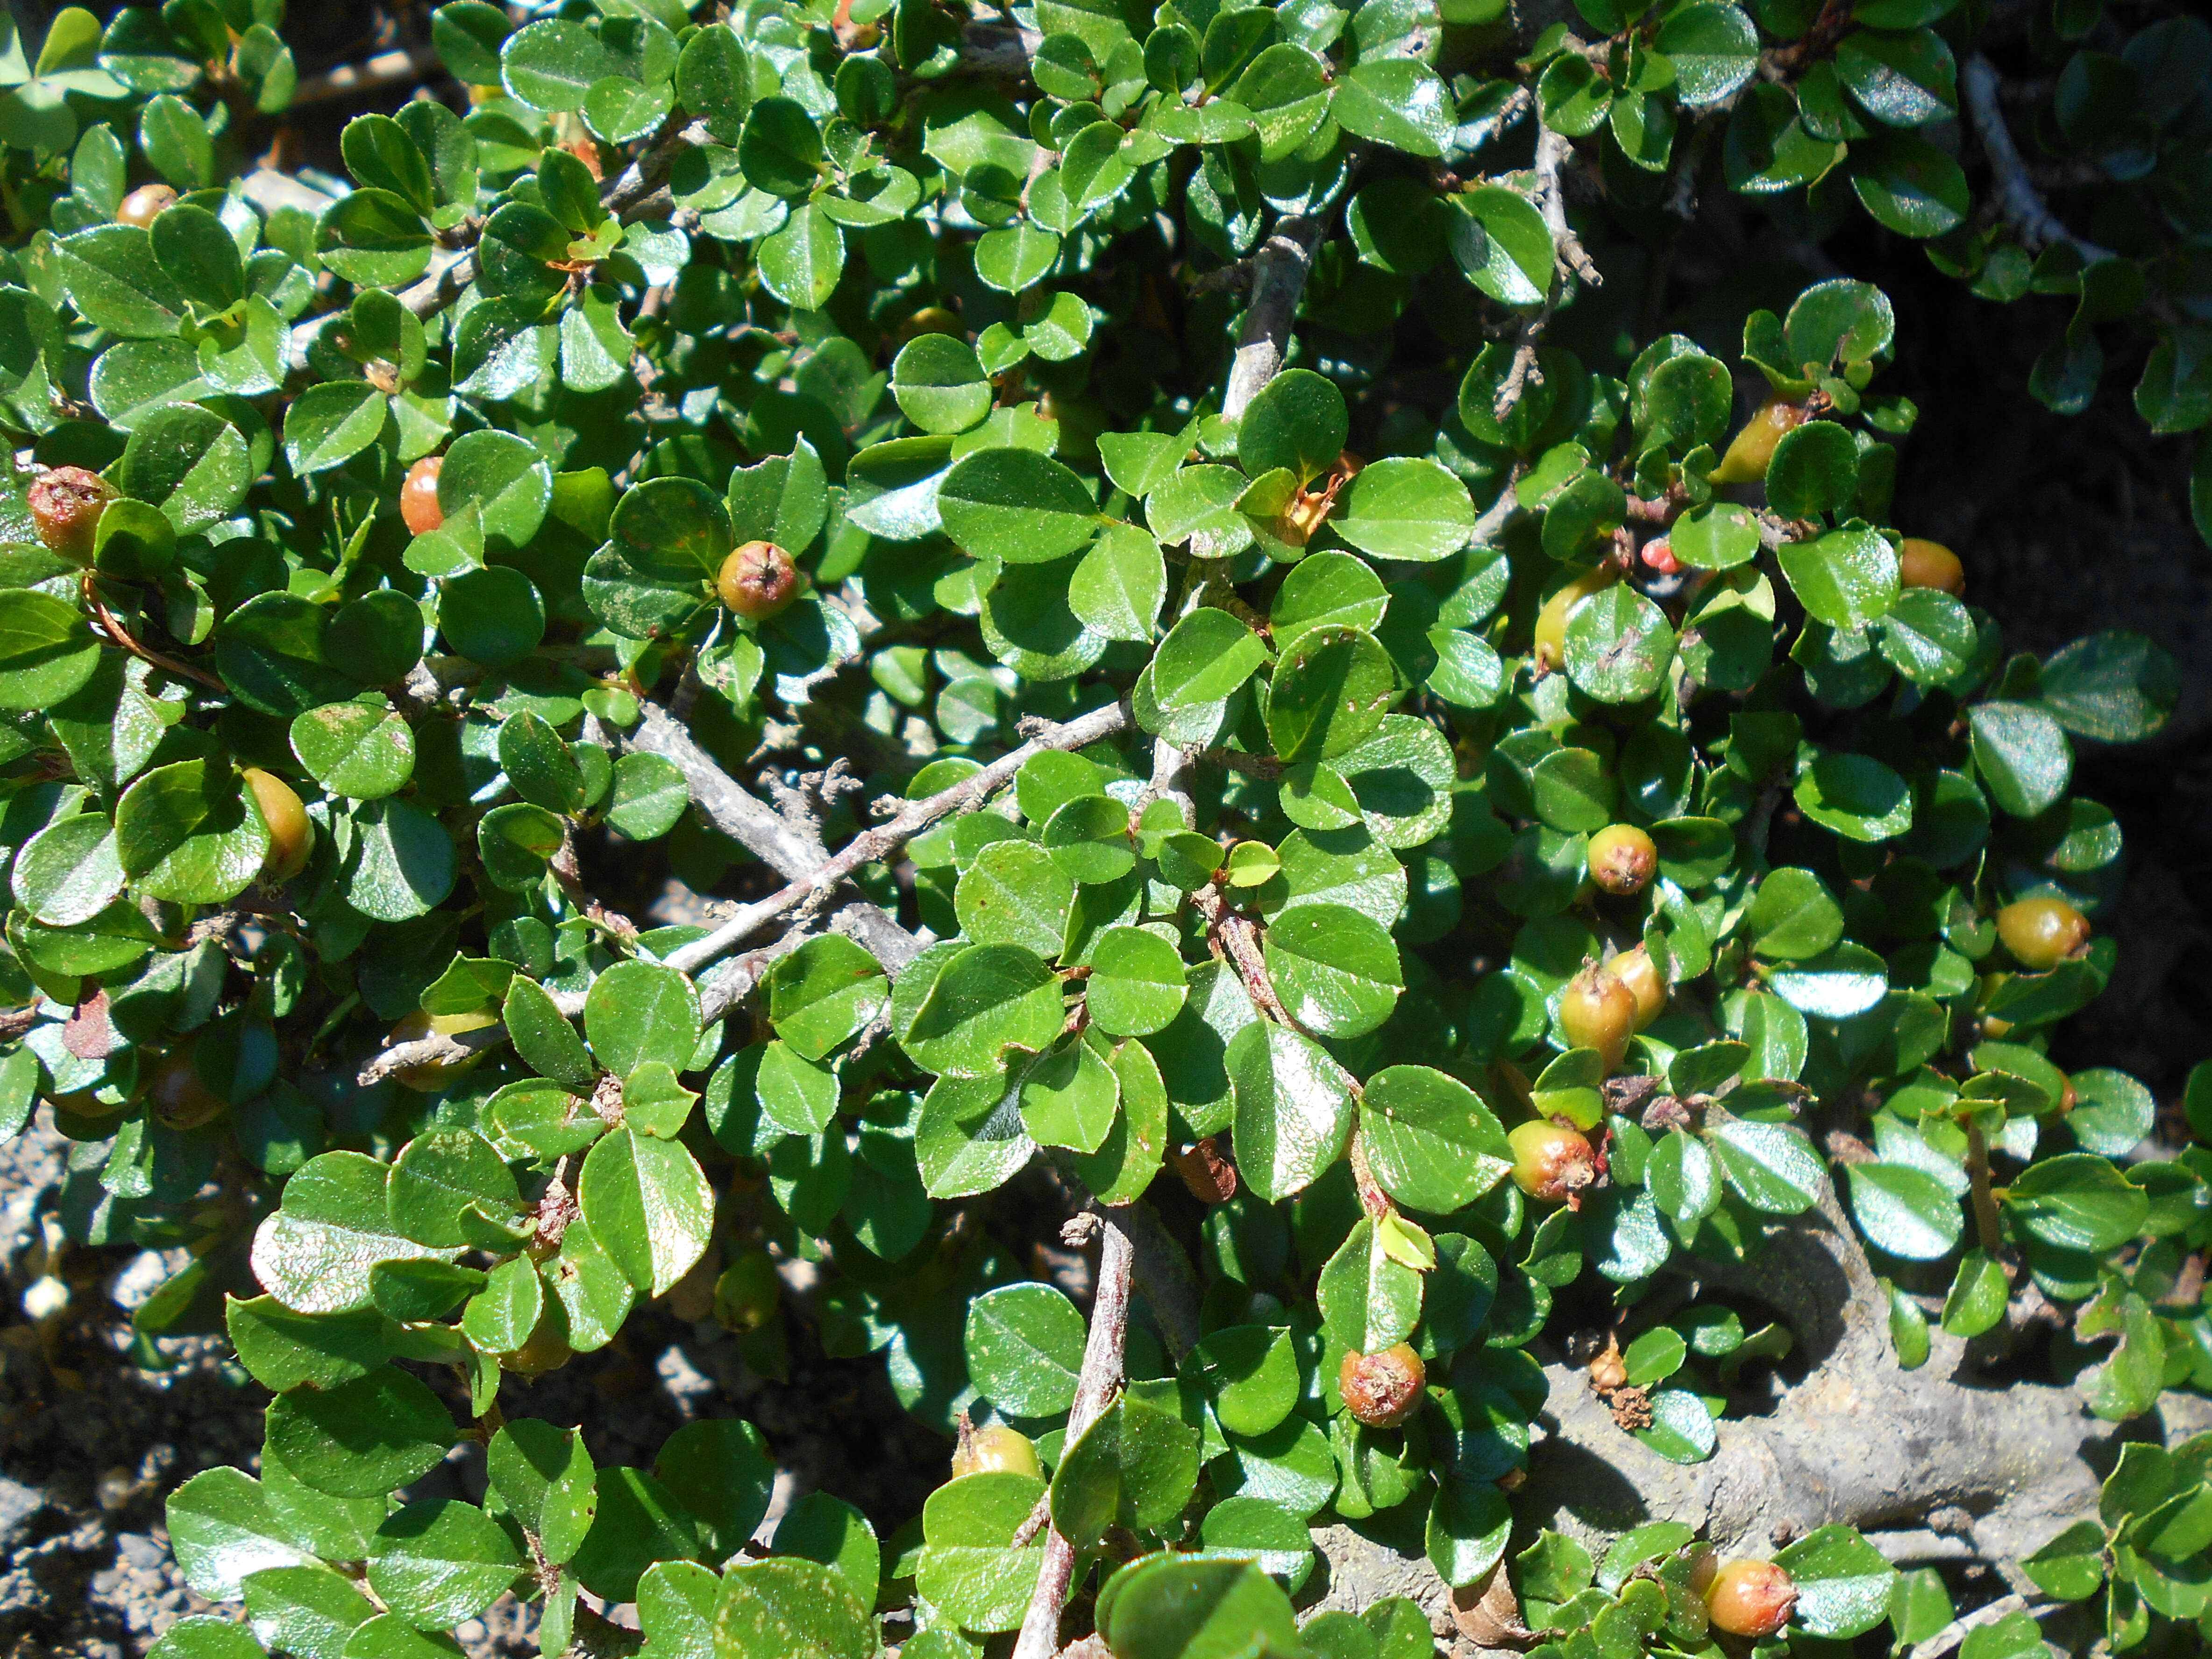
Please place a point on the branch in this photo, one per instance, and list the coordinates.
(387, 69)
(760, 829)
(2023, 208)
(1553, 152)
(1094, 1387)
(1280, 270)
(1944, 1640)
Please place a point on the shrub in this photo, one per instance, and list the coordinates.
(1285, 702)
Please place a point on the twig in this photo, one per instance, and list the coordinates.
(1553, 152)
(1094, 1387)
(1988, 1232)
(121, 637)
(1944, 1640)
(1280, 270)
(387, 69)
(872, 846)
(2018, 200)
(1476, 134)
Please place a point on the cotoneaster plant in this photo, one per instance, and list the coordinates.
(1222, 666)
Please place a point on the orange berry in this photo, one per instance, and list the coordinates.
(758, 580)
(2042, 932)
(144, 205)
(418, 496)
(1596, 1011)
(1551, 1161)
(291, 832)
(1931, 564)
(1750, 1598)
(65, 506)
(1752, 448)
(1636, 969)
(1622, 859)
(1382, 1389)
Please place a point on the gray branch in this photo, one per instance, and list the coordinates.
(2022, 206)
(1280, 270)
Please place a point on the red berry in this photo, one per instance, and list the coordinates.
(66, 505)
(418, 496)
(1382, 1389)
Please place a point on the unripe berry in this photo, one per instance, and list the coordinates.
(1551, 1161)
(1931, 564)
(291, 833)
(66, 505)
(748, 1293)
(144, 205)
(418, 496)
(433, 1075)
(758, 580)
(2042, 932)
(1550, 649)
(1622, 859)
(545, 1349)
(1750, 1598)
(1636, 969)
(1596, 1011)
(983, 1451)
(1752, 448)
(929, 319)
(179, 1099)
(1382, 1389)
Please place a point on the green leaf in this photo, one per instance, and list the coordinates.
(1856, 796)
(1406, 507)
(1430, 1140)
(638, 1521)
(1134, 1463)
(1903, 1211)
(1137, 984)
(222, 1531)
(1843, 1582)
(823, 993)
(1618, 645)
(1330, 692)
(2071, 1566)
(939, 383)
(1846, 579)
(967, 1567)
(1814, 471)
(1469, 1523)
(69, 872)
(1293, 1109)
(2020, 755)
(352, 750)
(986, 999)
(1335, 970)
(1770, 1166)
(648, 1205)
(1015, 893)
(1397, 102)
(1908, 184)
(47, 651)
(1681, 1429)
(2113, 687)
(315, 1254)
(1979, 1294)
(1175, 1608)
(1713, 50)
(1206, 656)
(638, 1012)
(1249, 1373)
(1296, 422)
(1024, 1348)
(363, 1437)
(1016, 506)
(2077, 1202)
(1369, 1301)
(438, 1561)
(801, 263)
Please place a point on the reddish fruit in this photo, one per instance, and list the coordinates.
(1596, 1011)
(1636, 969)
(418, 496)
(179, 1099)
(758, 580)
(1660, 557)
(66, 505)
(1622, 859)
(1931, 564)
(981, 1451)
(1750, 1598)
(291, 832)
(1550, 647)
(1752, 448)
(1551, 1161)
(144, 205)
(2042, 932)
(1382, 1389)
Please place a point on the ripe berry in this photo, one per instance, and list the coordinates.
(1551, 1161)
(758, 580)
(291, 833)
(66, 505)
(1622, 859)
(418, 496)
(144, 205)
(2042, 932)
(1931, 564)
(1660, 557)
(1550, 649)
(1382, 1389)
(1750, 1598)
(179, 1099)
(1636, 969)
(748, 1293)
(1752, 448)
(981, 1452)
(1596, 1011)
(433, 1075)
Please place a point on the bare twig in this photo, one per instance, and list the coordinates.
(122, 639)
(1280, 270)
(1945, 1639)
(2023, 207)
(1095, 1386)
(387, 69)
(1553, 152)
